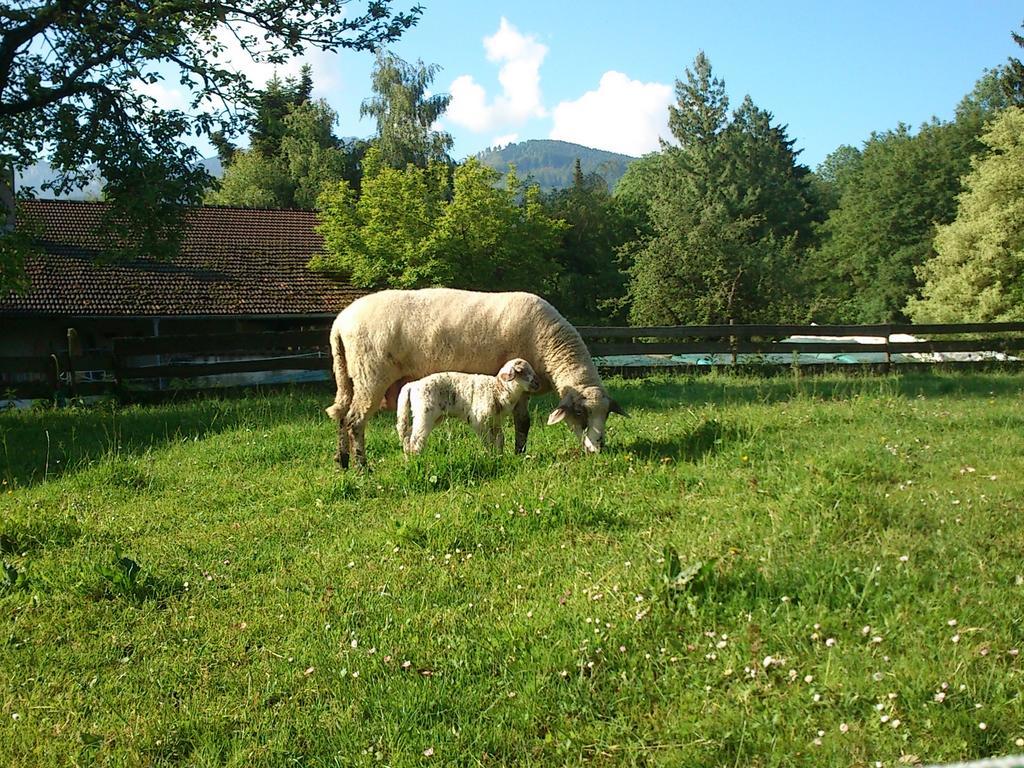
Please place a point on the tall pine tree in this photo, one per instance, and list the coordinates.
(730, 211)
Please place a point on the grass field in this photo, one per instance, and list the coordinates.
(782, 571)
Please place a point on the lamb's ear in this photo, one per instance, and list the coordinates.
(334, 411)
(557, 415)
(614, 407)
(506, 375)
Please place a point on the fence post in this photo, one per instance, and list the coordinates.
(732, 343)
(55, 375)
(888, 353)
(74, 350)
(117, 365)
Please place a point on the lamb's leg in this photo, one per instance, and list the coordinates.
(404, 422)
(422, 423)
(521, 419)
(498, 438)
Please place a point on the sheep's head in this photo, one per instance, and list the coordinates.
(586, 412)
(519, 374)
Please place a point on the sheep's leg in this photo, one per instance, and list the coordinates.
(342, 455)
(342, 399)
(365, 403)
(521, 419)
(497, 438)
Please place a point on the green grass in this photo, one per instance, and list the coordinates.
(755, 572)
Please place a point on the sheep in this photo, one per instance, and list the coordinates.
(384, 339)
(483, 401)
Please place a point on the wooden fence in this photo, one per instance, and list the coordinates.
(203, 361)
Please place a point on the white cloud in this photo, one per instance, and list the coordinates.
(504, 141)
(622, 115)
(166, 96)
(520, 57)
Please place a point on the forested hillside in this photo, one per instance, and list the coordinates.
(550, 163)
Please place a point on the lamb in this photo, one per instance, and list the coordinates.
(483, 401)
(385, 339)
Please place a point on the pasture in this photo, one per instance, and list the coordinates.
(820, 571)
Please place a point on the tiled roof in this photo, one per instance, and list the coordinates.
(233, 261)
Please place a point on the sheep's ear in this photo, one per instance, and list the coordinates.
(557, 415)
(334, 411)
(506, 375)
(614, 407)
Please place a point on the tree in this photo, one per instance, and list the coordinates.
(253, 180)
(729, 214)
(591, 285)
(405, 113)
(495, 238)
(900, 188)
(1013, 80)
(379, 238)
(278, 99)
(635, 191)
(407, 230)
(832, 177)
(71, 77)
(290, 164)
(977, 273)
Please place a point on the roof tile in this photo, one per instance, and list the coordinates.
(233, 261)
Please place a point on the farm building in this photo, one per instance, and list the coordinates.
(238, 271)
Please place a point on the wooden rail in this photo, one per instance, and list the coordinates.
(191, 361)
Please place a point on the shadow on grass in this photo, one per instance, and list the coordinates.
(442, 470)
(40, 445)
(20, 537)
(723, 586)
(706, 438)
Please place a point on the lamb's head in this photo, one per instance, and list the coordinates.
(518, 376)
(586, 411)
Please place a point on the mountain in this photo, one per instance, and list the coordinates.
(35, 175)
(547, 162)
(550, 163)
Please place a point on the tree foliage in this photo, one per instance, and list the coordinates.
(892, 197)
(977, 273)
(293, 154)
(1013, 82)
(73, 77)
(406, 230)
(405, 113)
(591, 284)
(730, 210)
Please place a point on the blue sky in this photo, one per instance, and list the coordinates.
(602, 73)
